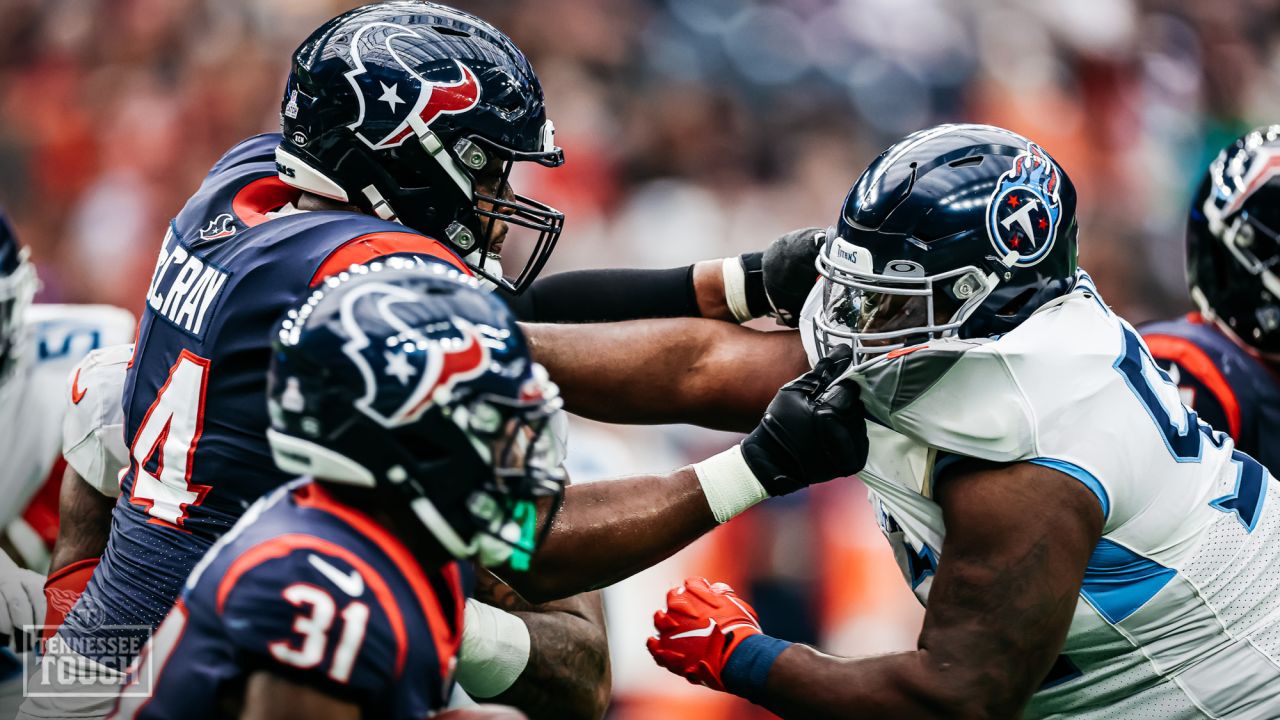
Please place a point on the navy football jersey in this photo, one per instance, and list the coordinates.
(194, 400)
(313, 590)
(1225, 384)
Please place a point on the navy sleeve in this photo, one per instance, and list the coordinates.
(584, 296)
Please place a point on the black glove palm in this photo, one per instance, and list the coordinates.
(815, 430)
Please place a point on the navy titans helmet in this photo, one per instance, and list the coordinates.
(954, 231)
(400, 107)
(414, 382)
(17, 288)
(1233, 240)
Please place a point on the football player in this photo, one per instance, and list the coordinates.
(1225, 358)
(401, 122)
(39, 344)
(410, 396)
(1086, 545)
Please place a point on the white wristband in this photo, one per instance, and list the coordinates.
(728, 484)
(494, 652)
(735, 288)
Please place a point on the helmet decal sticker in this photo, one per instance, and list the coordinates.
(1023, 212)
(401, 380)
(1236, 179)
(385, 100)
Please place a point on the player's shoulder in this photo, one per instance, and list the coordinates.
(281, 563)
(108, 324)
(1193, 342)
(281, 541)
(56, 337)
(93, 426)
(981, 397)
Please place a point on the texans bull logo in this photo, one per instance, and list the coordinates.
(403, 377)
(395, 106)
(1023, 212)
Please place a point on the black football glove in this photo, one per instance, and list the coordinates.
(787, 274)
(815, 430)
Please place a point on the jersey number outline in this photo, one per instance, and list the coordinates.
(169, 433)
(314, 625)
(1183, 431)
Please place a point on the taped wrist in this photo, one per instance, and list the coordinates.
(494, 652)
(728, 484)
(744, 286)
(747, 669)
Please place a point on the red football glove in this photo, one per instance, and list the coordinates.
(701, 627)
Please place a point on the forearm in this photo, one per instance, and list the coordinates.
(85, 522)
(614, 295)
(607, 531)
(805, 683)
(567, 675)
(694, 371)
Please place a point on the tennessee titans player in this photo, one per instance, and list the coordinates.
(410, 397)
(1225, 358)
(39, 345)
(401, 122)
(1086, 545)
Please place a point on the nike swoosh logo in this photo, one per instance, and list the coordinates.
(704, 632)
(350, 583)
(76, 393)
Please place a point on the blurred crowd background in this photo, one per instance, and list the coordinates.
(692, 130)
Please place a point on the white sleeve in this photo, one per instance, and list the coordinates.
(93, 427)
(958, 396)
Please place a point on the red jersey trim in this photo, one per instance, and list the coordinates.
(252, 203)
(283, 545)
(1189, 355)
(447, 635)
(364, 248)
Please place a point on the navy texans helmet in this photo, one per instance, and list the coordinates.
(17, 288)
(416, 112)
(414, 382)
(954, 231)
(1233, 240)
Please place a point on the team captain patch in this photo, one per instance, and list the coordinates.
(184, 288)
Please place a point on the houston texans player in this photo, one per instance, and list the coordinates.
(1086, 545)
(39, 344)
(409, 394)
(400, 124)
(1225, 359)
(411, 398)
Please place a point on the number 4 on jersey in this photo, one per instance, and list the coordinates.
(163, 448)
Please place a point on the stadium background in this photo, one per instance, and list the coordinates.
(692, 130)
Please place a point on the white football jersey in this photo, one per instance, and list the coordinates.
(93, 427)
(1179, 614)
(32, 395)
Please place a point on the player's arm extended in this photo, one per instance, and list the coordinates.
(565, 674)
(736, 289)
(814, 431)
(697, 371)
(1018, 540)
